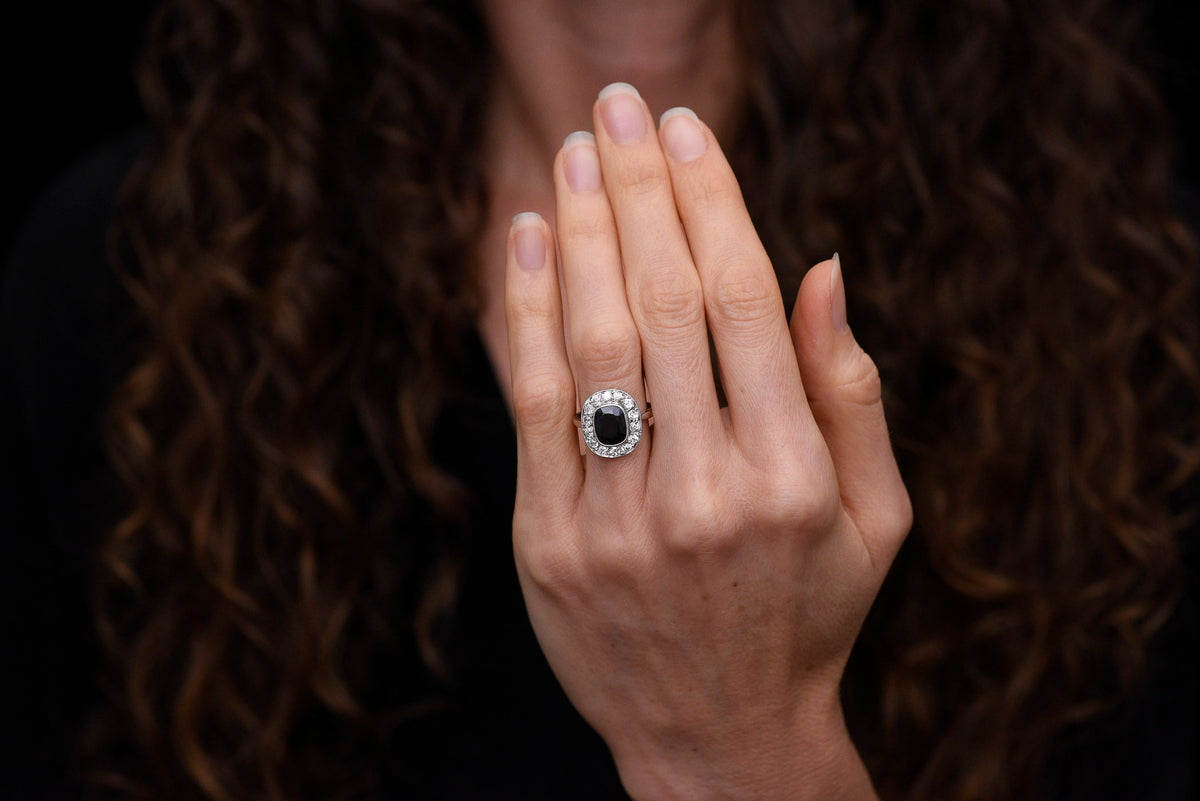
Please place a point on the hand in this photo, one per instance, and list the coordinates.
(698, 597)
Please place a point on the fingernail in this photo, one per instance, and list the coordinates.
(528, 243)
(683, 138)
(837, 296)
(581, 162)
(621, 111)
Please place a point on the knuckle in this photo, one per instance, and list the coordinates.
(889, 524)
(611, 560)
(671, 300)
(742, 295)
(531, 310)
(902, 520)
(642, 177)
(554, 570)
(709, 192)
(698, 535)
(697, 521)
(793, 500)
(584, 228)
(610, 350)
(539, 402)
(858, 380)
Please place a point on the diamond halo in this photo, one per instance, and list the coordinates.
(629, 410)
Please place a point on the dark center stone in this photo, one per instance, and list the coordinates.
(611, 428)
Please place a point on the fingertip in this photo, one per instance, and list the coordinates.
(837, 297)
(529, 287)
(578, 138)
(579, 163)
(526, 219)
(812, 316)
(528, 235)
(683, 137)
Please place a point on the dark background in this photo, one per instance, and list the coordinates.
(67, 78)
(67, 72)
(67, 86)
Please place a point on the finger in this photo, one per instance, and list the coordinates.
(665, 296)
(543, 390)
(741, 293)
(844, 393)
(604, 339)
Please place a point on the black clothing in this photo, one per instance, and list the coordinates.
(511, 734)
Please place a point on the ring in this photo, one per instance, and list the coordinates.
(612, 422)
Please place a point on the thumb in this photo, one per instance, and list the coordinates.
(844, 392)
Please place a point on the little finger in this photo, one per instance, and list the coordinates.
(543, 390)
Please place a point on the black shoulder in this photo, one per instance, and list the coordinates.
(61, 245)
(62, 318)
(82, 196)
(62, 310)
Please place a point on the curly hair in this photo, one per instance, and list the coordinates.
(299, 242)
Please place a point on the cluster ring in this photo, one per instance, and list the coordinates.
(612, 423)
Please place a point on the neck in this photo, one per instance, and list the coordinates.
(553, 56)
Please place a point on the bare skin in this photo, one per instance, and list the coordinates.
(553, 57)
(697, 598)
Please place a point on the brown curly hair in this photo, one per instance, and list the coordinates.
(996, 176)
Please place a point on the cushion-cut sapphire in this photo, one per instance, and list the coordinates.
(611, 426)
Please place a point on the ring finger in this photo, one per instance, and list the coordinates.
(604, 341)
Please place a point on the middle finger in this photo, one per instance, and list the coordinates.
(664, 290)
